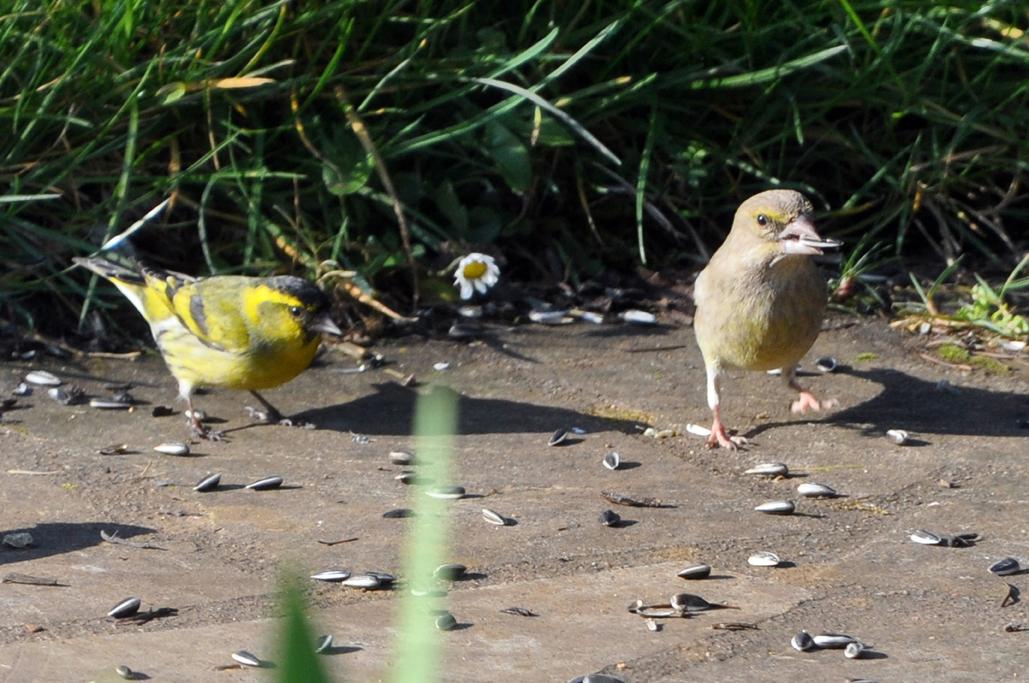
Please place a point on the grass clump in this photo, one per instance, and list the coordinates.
(574, 138)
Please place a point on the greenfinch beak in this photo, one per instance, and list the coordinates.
(323, 323)
(799, 237)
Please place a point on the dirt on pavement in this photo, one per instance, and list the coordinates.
(927, 612)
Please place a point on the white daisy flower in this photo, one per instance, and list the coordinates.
(476, 271)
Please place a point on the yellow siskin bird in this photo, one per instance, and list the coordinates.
(761, 300)
(226, 331)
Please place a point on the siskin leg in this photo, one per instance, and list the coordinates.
(271, 414)
(719, 435)
(199, 429)
(806, 401)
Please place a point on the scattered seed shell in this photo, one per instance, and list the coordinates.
(609, 518)
(19, 539)
(826, 364)
(265, 484)
(125, 608)
(22, 389)
(409, 478)
(557, 437)
(493, 517)
(198, 414)
(323, 644)
(559, 317)
(833, 640)
(109, 404)
(696, 571)
(596, 678)
(653, 625)
(402, 458)
(60, 395)
(245, 658)
(398, 513)
(441, 366)
(446, 492)
(365, 581)
(1005, 567)
(124, 672)
(636, 317)
(172, 448)
(764, 559)
(697, 430)
(689, 602)
(769, 469)
(897, 436)
(592, 317)
(853, 650)
(446, 621)
(925, 537)
(802, 642)
(777, 507)
(612, 460)
(43, 378)
(332, 575)
(114, 449)
(450, 572)
(208, 483)
(815, 490)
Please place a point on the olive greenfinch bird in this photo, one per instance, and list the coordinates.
(761, 299)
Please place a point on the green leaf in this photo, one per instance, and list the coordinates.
(511, 156)
(351, 166)
(298, 659)
(450, 206)
(485, 225)
(171, 92)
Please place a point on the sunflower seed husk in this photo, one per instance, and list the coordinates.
(208, 483)
(494, 517)
(592, 317)
(124, 672)
(826, 364)
(833, 640)
(410, 478)
(636, 317)
(402, 458)
(172, 448)
(764, 559)
(559, 317)
(63, 397)
(689, 602)
(22, 389)
(1005, 567)
(125, 608)
(332, 575)
(446, 621)
(198, 414)
(769, 469)
(596, 678)
(802, 642)
(43, 378)
(109, 404)
(365, 581)
(815, 490)
(162, 411)
(557, 437)
(398, 513)
(19, 539)
(470, 311)
(446, 492)
(323, 644)
(696, 571)
(653, 625)
(925, 537)
(441, 366)
(853, 650)
(697, 430)
(612, 460)
(385, 578)
(245, 658)
(265, 484)
(459, 331)
(609, 518)
(777, 507)
(897, 436)
(450, 572)
(519, 611)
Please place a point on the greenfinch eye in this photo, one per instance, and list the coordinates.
(296, 311)
(762, 219)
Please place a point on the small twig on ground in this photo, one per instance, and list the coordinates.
(113, 538)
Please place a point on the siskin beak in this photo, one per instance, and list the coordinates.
(323, 323)
(799, 237)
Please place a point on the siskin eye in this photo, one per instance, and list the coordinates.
(762, 219)
(296, 311)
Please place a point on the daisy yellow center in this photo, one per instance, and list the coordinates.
(475, 270)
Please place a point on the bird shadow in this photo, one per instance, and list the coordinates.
(923, 407)
(55, 538)
(390, 410)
